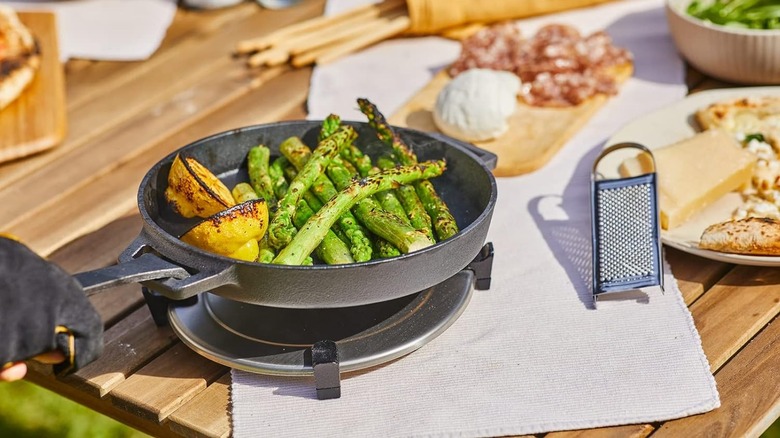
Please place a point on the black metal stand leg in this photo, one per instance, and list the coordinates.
(158, 306)
(482, 265)
(325, 361)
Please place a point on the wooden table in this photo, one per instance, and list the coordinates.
(77, 205)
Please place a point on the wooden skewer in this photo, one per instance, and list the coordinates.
(378, 33)
(324, 22)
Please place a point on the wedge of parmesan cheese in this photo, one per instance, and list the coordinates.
(694, 173)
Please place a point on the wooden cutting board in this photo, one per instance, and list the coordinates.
(35, 121)
(535, 134)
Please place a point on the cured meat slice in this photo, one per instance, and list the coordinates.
(558, 66)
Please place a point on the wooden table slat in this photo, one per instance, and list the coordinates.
(39, 376)
(149, 89)
(129, 345)
(207, 414)
(728, 316)
(629, 431)
(166, 383)
(113, 195)
(749, 391)
(694, 275)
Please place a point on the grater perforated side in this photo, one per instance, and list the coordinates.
(625, 229)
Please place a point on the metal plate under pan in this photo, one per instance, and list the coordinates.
(277, 341)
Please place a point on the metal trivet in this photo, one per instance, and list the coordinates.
(625, 229)
(322, 342)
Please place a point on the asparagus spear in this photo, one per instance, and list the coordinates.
(380, 222)
(281, 229)
(257, 165)
(387, 199)
(384, 224)
(318, 225)
(410, 202)
(329, 126)
(315, 204)
(385, 249)
(443, 221)
(299, 156)
(332, 250)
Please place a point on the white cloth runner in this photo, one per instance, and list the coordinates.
(110, 30)
(528, 355)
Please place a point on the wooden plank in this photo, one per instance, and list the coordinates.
(101, 247)
(734, 310)
(694, 275)
(129, 345)
(165, 384)
(749, 391)
(35, 120)
(111, 194)
(151, 88)
(44, 379)
(88, 80)
(207, 414)
(629, 431)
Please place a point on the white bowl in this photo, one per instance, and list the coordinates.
(745, 56)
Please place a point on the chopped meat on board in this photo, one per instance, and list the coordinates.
(558, 66)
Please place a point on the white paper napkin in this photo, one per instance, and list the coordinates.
(111, 30)
(529, 355)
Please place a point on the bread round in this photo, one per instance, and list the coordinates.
(19, 56)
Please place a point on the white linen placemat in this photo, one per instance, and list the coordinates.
(529, 355)
(109, 30)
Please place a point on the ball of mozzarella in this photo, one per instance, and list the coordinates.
(476, 104)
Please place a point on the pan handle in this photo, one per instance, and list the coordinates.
(172, 280)
(488, 158)
(145, 267)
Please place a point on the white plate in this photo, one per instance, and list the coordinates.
(670, 125)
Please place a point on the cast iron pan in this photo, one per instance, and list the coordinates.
(176, 270)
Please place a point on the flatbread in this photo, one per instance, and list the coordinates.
(19, 56)
(753, 236)
(745, 116)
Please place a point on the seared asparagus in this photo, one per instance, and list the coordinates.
(257, 165)
(318, 225)
(384, 224)
(443, 221)
(299, 156)
(410, 202)
(332, 250)
(281, 229)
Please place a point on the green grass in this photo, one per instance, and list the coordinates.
(773, 431)
(27, 411)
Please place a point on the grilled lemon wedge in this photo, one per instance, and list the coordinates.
(194, 191)
(233, 232)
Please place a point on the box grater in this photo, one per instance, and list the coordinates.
(625, 229)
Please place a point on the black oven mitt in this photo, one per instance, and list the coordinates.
(42, 308)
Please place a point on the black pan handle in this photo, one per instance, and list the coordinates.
(143, 268)
(488, 158)
(172, 280)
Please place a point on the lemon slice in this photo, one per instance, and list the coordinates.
(231, 232)
(194, 191)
